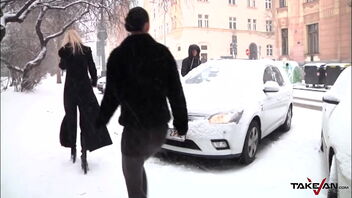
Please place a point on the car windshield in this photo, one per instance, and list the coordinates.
(234, 75)
(206, 75)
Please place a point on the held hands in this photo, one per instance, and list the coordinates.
(99, 123)
(94, 83)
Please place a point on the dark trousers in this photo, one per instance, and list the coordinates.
(137, 145)
(70, 121)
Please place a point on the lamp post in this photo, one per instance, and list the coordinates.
(102, 36)
(165, 7)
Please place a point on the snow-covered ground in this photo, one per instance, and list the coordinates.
(34, 165)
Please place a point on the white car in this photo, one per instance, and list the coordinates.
(336, 134)
(232, 105)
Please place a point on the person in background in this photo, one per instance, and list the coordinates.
(141, 76)
(77, 60)
(192, 61)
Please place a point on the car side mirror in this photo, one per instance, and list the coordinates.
(331, 99)
(271, 86)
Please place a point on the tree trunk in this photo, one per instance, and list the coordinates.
(28, 80)
(58, 76)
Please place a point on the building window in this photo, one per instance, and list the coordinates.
(206, 20)
(284, 40)
(200, 19)
(307, 1)
(232, 2)
(203, 47)
(203, 0)
(251, 3)
(179, 48)
(313, 38)
(283, 3)
(204, 57)
(268, 4)
(269, 50)
(254, 24)
(232, 23)
(269, 26)
(249, 24)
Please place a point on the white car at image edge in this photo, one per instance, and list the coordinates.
(232, 105)
(336, 134)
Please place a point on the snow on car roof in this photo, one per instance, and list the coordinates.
(339, 64)
(314, 64)
(245, 64)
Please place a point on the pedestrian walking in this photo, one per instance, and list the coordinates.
(192, 61)
(141, 75)
(77, 60)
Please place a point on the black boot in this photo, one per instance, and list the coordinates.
(84, 163)
(73, 154)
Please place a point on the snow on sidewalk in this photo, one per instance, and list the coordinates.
(34, 165)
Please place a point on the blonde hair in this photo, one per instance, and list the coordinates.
(71, 37)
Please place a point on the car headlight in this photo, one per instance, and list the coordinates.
(224, 118)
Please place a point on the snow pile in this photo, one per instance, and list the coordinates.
(33, 164)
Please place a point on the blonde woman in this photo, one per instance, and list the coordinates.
(77, 60)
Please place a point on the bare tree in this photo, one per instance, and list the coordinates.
(79, 12)
(16, 16)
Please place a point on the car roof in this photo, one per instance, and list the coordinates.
(240, 62)
(339, 64)
(314, 64)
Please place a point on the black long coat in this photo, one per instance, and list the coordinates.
(79, 93)
(141, 76)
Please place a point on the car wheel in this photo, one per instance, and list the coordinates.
(286, 126)
(333, 193)
(251, 143)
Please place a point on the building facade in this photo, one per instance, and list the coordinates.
(299, 30)
(313, 30)
(222, 28)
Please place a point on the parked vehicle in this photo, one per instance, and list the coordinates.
(336, 134)
(101, 84)
(232, 105)
(314, 74)
(333, 70)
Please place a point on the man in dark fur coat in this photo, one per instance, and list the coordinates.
(141, 76)
(192, 61)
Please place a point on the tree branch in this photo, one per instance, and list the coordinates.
(49, 6)
(59, 33)
(22, 13)
(15, 68)
(38, 26)
(5, 3)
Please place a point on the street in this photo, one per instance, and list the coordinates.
(35, 165)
